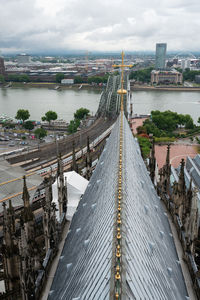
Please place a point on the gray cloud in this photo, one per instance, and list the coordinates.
(34, 25)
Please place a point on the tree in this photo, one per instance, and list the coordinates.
(144, 146)
(50, 116)
(24, 78)
(98, 79)
(43, 118)
(18, 78)
(40, 133)
(73, 125)
(198, 120)
(81, 113)
(190, 74)
(29, 125)
(22, 114)
(168, 121)
(189, 124)
(143, 75)
(141, 129)
(78, 80)
(59, 77)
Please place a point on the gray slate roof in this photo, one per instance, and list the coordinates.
(152, 266)
(150, 262)
(7, 173)
(193, 167)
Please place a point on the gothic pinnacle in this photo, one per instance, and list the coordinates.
(168, 155)
(25, 195)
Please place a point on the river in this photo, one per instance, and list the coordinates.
(39, 100)
(181, 102)
(66, 102)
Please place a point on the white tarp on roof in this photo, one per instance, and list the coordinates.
(76, 186)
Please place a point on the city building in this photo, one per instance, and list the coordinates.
(185, 64)
(23, 58)
(2, 66)
(166, 77)
(160, 55)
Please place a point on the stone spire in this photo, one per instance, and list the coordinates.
(50, 223)
(192, 221)
(89, 152)
(131, 109)
(9, 250)
(179, 194)
(27, 213)
(152, 162)
(88, 161)
(181, 181)
(27, 262)
(28, 248)
(74, 166)
(165, 172)
(189, 196)
(168, 155)
(25, 195)
(62, 188)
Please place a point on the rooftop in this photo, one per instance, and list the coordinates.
(150, 265)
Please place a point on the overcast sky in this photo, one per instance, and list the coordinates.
(103, 25)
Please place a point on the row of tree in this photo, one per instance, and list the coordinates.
(59, 77)
(80, 79)
(18, 78)
(190, 74)
(143, 75)
(165, 123)
(23, 115)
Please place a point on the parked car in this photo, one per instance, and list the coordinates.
(23, 143)
(12, 144)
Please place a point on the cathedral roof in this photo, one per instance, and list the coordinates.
(150, 266)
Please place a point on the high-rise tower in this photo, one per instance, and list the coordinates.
(160, 55)
(2, 66)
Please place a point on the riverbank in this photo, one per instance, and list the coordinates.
(51, 86)
(164, 88)
(58, 86)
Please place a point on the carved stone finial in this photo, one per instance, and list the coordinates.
(25, 195)
(168, 154)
